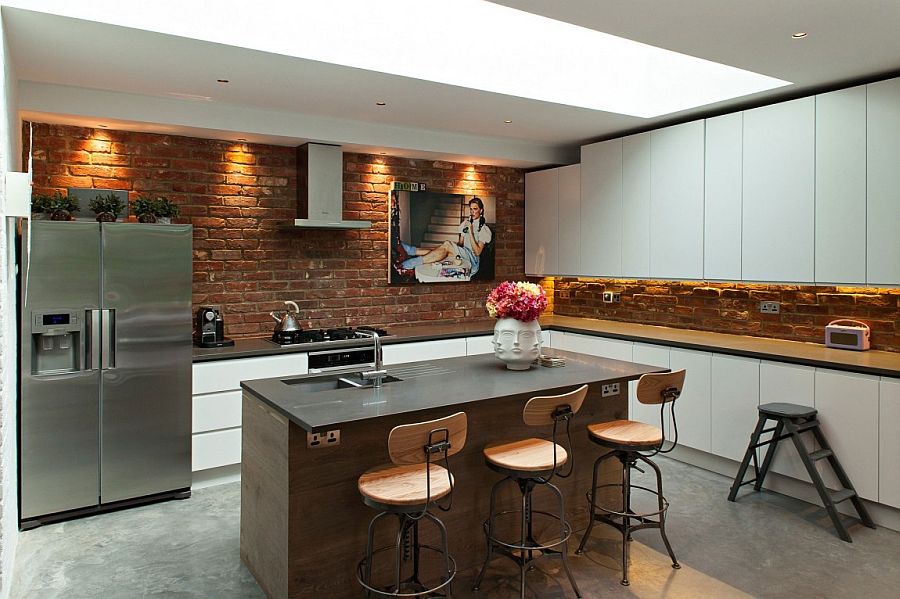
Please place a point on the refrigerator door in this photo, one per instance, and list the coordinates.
(146, 390)
(59, 407)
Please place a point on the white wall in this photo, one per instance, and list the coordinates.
(10, 143)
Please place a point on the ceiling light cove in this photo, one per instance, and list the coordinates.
(506, 51)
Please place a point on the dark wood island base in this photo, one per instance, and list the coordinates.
(304, 525)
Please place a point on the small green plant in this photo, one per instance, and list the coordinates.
(40, 203)
(109, 203)
(147, 208)
(59, 207)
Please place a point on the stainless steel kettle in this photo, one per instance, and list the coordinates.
(288, 322)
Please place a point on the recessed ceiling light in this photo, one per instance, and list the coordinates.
(507, 121)
(626, 77)
(799, 35)
(223, 81)
(380, 103)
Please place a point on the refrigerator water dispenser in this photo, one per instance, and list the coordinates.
(56, 342)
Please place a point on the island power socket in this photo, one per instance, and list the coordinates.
(609, 390)
(326, 439)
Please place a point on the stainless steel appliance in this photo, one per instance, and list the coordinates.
(211, 328)
(105, 359)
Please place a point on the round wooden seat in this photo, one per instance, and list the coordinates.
(527, 455)
(626, 433)
(404, 485)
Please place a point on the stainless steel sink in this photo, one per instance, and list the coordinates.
(332, 382)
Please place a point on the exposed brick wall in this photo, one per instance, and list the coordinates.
(734, 307)
(237, 194)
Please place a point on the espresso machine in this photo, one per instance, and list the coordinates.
(211, 328)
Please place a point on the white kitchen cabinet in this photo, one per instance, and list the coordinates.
(652, 355)
(541, 222)
(840, 214)
(636, 206)
(601, 209)
(225, 375)
(734, 404)
(692, 409)
(569, 258)
(848, 412)
(676, 201)
(889, 441)
(215, 449)
(778, 214)
(216, 411)
(723, 175)
(883, 182)
(617, 349)
(788, 383)
(401, 353)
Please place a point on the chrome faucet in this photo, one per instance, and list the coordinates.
(377, 375)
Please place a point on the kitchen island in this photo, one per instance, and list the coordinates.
(303, 523)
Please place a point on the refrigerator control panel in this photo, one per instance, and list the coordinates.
(56, 341)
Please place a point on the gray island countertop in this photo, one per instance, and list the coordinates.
(435, 384)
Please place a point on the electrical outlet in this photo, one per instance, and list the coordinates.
(617, 297)
(317, 440)
(769, 307)
(607, 297)
(609, 390)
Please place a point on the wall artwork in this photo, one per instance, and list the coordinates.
(440, 237)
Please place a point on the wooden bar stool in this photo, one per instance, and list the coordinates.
(627, 439)
(531, 463)
(408, 488)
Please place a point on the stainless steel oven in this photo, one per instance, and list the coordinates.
(341, 360)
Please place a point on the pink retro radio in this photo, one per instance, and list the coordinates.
(847, 334)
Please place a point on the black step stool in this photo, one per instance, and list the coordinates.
(792, 420)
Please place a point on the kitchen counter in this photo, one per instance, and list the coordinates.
(303, 522)
(422, 387)
(811, 354)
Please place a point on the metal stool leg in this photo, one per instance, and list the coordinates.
(626, 520)
(562, 532)
(446, 547)
(524, 527)
(369, 542)
(770, 455)
(662, 511)
(489, 534)
(750, 454)
(593, 502)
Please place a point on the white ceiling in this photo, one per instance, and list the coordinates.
(85, 73)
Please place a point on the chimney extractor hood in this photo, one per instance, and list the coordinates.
(320, 189)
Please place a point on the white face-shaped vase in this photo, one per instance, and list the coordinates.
(517, 343)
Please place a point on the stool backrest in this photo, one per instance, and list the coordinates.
(660, 388)
(407, 442)
(540, 410)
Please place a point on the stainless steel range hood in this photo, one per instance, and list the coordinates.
(320, 186)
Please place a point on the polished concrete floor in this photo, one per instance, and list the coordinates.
(766, 545)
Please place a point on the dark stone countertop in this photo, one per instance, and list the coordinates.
(435, 384)
(880, 363)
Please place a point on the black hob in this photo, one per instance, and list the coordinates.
(320, 335)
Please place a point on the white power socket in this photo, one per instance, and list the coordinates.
(609, 390)
(611, 297)
(326, 439)
(769, 307)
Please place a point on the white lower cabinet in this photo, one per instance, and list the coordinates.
(425, 350)
(788, 383)
(616, 349)
(735, 399)
(652, 355)
(848, 411)
(889, 442)
(216, 404)
(692, 409)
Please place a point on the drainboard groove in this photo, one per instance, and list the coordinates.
(419, 370)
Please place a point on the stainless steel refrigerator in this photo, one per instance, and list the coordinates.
(105, 366)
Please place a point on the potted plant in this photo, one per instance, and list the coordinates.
(60, 207)
(517, 335)
(151, 210)
(40, 204)
(107, 207)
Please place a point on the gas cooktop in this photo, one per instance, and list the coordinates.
(321, 335)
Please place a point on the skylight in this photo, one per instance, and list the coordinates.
(466, 43)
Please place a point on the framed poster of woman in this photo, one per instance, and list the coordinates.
(441, 237)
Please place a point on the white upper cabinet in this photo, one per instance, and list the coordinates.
(569, 260)
(779, 192)
(541, 222)
(722, 208)
(841, 186)
(601, 209)
(883, 183)
(636, 206)
(676, 202)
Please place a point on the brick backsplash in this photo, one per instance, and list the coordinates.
(734, 307)
(237, 194)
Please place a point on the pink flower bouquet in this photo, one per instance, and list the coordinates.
(522, 301)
